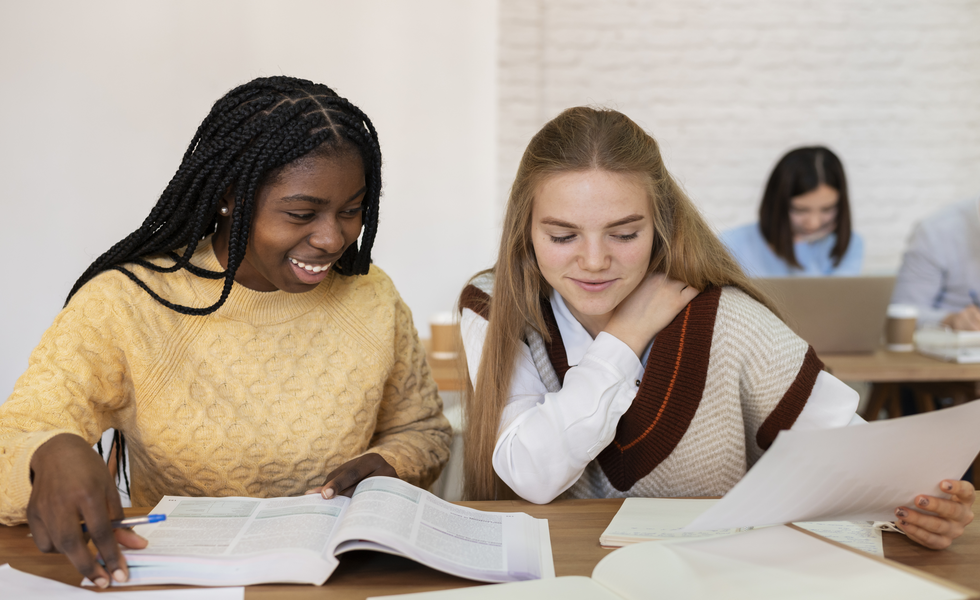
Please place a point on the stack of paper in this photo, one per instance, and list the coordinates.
(953, 346)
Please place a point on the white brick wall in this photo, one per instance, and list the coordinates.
(726, 87)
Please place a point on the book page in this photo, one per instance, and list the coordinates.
(480, 545)
(770, 563)
(862, 535)
(241, 526)
(237, 541)
(857, 473)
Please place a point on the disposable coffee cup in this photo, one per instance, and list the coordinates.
(900, 327)
(444, 331)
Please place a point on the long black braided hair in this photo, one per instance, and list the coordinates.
(249, 136)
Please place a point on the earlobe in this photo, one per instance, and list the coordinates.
(226, 204)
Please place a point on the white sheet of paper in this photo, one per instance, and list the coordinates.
(762, 564)
(773, 563)
(857, 473)
(17, 584)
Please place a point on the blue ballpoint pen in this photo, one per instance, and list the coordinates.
(132, 521)
(975, 298)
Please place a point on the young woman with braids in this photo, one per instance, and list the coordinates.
(616, 349)
(240, 338)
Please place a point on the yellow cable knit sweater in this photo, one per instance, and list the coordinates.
(262, 398)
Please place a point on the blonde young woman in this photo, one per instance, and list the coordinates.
(606, 266)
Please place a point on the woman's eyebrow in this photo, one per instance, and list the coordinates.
(625, 221)
(318, 200)
(558, 223)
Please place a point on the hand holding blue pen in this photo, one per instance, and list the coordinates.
(133, 521)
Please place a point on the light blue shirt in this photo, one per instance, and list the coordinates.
(941, 268)
(757, 259)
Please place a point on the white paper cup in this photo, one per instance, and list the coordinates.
(900, 327)
(444, 331)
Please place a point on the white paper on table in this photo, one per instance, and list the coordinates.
(773, 563)
(17, 584)
(857, 473)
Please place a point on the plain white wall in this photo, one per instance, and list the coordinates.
(99, 99)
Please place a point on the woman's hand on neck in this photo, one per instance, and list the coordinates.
(648, 309)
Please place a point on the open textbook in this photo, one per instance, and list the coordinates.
(646, 519)
(246, 541)
(773, 563)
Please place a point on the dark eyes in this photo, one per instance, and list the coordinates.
(309, 216)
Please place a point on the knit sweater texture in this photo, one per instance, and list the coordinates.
(263, 398)
(759, 374)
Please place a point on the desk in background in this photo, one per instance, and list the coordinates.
(575, 527)
(928, 378)
(887, 371)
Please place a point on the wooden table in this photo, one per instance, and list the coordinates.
(887, 371)
(575, 527)
(893, 367)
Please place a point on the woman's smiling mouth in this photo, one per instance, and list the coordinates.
(593, 286)
(309, 273)
(310, 267)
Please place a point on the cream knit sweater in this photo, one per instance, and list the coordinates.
(262, 398)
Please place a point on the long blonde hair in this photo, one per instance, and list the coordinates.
(684, 247)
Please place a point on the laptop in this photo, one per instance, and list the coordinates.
(836, 315)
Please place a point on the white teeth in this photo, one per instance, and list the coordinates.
(310, 268)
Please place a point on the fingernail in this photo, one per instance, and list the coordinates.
(901, 513)
(947, 486)
(923, 501)
(119, 575)
(309, 492)
(328, 493)
(102, 582)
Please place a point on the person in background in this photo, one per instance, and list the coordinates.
(240, 339)
(804, 226)
(940, 272)
(616, 349)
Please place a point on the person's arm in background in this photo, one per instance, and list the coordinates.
(967, 319)
(922, 278)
